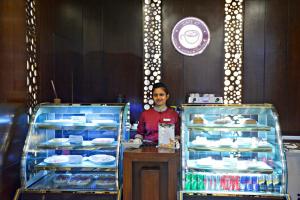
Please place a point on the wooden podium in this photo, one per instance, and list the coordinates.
(150, 174)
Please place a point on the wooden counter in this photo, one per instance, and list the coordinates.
(150, 174)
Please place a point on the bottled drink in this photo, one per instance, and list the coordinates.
(188, 181)
(243, 183)
(276, 183)
(269, 180)
(200, 182)
(194, 182)
(262, 186)
(254, 183)
(218, 183)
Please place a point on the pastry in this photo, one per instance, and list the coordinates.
(61, 179)
(248, 121)
(225, 120)
(102, 159)
(198, 120)
(105, 182)
(80, 180)
(103, 140)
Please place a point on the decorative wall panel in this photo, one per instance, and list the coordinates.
(152, 48)
(31, 60)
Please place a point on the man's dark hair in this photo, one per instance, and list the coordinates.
(160, 85)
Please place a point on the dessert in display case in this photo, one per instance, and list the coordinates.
(74, 149)
(234, 151)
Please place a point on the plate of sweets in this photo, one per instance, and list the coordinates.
(106, 182)
(80, 180)
(57, 160)
(102, 159)
(61, 179)
(98, 141)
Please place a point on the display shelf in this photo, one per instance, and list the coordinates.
(231, 127)
(76, 126)
(86, 145)
(47, 183)
(84, 166)
(229, 149)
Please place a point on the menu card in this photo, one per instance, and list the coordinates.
(166, 135)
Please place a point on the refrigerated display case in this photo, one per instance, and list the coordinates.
(74, 149)
(13, 131)
(232, 152)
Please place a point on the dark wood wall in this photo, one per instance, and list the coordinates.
(202, 73)
(92, 49)
(271, 47)
(12, 51)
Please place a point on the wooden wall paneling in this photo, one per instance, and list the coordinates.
(68, 48)
(275, 84)
(172, 60)
(254, 52)
(59, 53)
(123, 48)
(204, 73)
(45, 49)
(12, 51)
(88, 81)
(293, 70)
(201, 73)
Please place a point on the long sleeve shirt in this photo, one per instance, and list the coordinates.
(149, 120)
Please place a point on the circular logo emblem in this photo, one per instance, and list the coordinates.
(190, 36)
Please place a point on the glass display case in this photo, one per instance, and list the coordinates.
(232, 150)
(75, 148)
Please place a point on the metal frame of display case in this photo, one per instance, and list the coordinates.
(187, 126)
(13, 130)
(85, 166)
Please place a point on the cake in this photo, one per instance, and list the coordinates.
(80, 180)
(198, 120)
(61, 179)
(225, 120)
(248, 121)
(105, 182)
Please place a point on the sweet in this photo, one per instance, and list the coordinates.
(80, 180)
(225, 120)
(61, 179)
(57, 159)
(105, 182)
(102, 140)
(102, 159)
(248, 121)
(198, 120)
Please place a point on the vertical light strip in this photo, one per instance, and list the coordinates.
(233, 45)
(31, 62)
(152, 48)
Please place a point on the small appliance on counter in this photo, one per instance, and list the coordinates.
(204, 99)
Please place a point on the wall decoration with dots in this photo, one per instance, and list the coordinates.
(233, 45)
(152, 48)
(31, 60)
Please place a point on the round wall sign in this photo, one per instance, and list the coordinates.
(190, 36)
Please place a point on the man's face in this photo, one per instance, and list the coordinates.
(160, 97)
